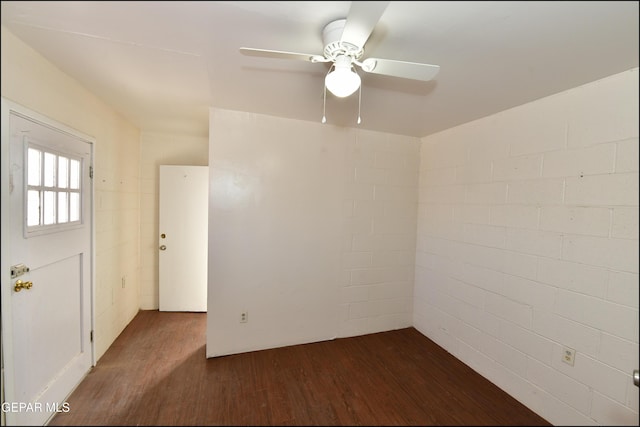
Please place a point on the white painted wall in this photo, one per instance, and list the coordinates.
(528, 242)
(30, 80)
(157, 149)
(311, 231)
(379, 232)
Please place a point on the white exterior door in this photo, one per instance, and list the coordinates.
(46, 303)
(183, 241)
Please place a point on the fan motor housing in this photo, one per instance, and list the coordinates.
(333, 47)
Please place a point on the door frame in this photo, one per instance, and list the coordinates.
(8, 107)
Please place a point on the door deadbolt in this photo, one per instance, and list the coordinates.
(20, 285)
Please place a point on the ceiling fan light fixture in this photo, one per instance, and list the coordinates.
(344, 41)
(343, 80)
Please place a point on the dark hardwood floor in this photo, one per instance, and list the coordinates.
(156, 373)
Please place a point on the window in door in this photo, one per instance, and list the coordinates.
(53, 191)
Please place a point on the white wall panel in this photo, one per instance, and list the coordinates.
(549, 246)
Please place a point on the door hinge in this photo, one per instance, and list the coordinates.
(91, 172)
(91, 336)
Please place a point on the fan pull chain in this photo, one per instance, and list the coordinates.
(359, 102)
(324, 101)
(324, 105)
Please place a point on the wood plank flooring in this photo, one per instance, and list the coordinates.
(156, 373)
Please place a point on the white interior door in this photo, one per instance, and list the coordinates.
(183, 241)
(46, 304)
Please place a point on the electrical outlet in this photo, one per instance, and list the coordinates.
(244, 317)
(568, 355)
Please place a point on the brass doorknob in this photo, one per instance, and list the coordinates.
(163, 247)
(20, 285)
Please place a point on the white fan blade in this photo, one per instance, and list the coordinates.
(406, 70)
(282, 55)
(362, 18)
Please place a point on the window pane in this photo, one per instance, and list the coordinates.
(54, 193)
(63, 172)
(63, 207)
(74, 207)
(33, 208)
(49, 169)
(49, 207)
(33, 167)
(74, 175)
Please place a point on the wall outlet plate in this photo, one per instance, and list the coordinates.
(568, 355)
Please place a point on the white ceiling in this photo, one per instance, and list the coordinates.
(163, 63)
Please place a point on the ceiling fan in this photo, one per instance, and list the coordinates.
(344, 41)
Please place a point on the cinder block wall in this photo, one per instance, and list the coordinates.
(528, 243)
(311, 230)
